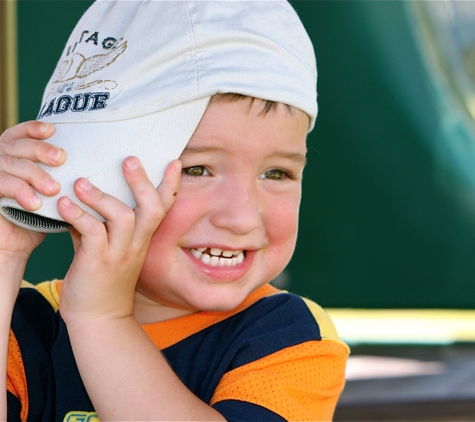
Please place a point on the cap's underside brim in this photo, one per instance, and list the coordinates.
(96, 151)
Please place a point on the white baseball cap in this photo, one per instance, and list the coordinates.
(136, 77)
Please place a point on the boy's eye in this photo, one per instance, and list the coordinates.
(195, 171)
(274, 174)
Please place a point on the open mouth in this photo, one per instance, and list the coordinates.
(218, 257)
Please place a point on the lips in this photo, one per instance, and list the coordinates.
(216, 257)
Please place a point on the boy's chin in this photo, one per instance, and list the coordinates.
(225, 302)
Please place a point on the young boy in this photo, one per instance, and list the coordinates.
(166, 312)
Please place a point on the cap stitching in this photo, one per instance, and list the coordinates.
(195, 61)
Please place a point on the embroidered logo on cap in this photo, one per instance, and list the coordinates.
(70, 75)
(80, 67)
(80, 102)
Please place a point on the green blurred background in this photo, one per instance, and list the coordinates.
(386, 220)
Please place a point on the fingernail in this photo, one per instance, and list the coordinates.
(55, 154)
(51, 184)
(177, 167)
(66, 202)
(132, 163)
(44, 127)
(35, 201)
(85, 185)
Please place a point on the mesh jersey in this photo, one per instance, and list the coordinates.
(275, 357)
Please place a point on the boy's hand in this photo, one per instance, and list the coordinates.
(125, 374)
(20, 148)
(109, 256)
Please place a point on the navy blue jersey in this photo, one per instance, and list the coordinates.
(275, 357)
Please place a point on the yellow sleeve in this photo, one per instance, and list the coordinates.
(50, 290)
(327, 328)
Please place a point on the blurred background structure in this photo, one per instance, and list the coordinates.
(387, 238)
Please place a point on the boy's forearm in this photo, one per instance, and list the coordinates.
(12, 270)
(127, 377)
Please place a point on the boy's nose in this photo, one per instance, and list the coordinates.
(237, 209)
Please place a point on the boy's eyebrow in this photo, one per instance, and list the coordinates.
(197, 150)
(293, 156)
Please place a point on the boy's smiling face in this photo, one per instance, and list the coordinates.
(239, 200)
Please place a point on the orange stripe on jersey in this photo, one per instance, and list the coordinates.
(167, 333)
(301, 382)
(16, 377)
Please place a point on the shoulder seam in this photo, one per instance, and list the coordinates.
(327, 328)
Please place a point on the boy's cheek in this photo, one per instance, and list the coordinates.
(179, 213)
(282, 231)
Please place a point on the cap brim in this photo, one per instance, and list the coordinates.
(96, 151)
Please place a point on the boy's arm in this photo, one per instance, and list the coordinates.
(125, 375)
(20, 148)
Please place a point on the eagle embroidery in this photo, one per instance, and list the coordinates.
(81, 67)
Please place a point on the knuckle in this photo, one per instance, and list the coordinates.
(128, 216)
(14, 188)
(3, 178)
(97, 194)
(6, 180)
(22, 190)
(157, 215)
(96, 228)
(5, 136)
(88, 223)
(8, 161)
(6, 142)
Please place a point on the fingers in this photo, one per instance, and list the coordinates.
(24, 174)
(118, 230)
(152, 203)
(21, 147)
(25, 140)
(86, 227)
(31, 129)
(12, 187)
(168, 189)
(106, 205)
(18, 179)
(122, 223)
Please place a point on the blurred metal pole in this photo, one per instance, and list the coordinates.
(8, 64)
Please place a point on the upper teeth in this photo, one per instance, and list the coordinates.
(218, 257)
